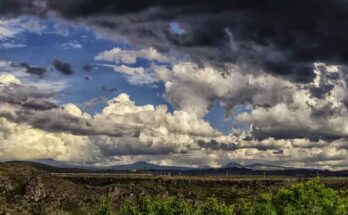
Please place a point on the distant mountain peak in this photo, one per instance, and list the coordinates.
(205, 167)
(233, 164)
(142, 162)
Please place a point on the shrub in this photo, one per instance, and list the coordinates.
(157, 206)
(264, 206)
(212, 207)
(104, 208)
(308, 198)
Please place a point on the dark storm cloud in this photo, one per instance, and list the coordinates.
(282, 37)
(215, 145)
(290, 133)
(62, 67)
(10, 7)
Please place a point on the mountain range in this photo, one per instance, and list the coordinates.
(231, 168)
(149, 166)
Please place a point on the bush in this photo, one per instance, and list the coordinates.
(264, 205)
(157, 206)
(212, 207)
(104, 208)
(308, 198)
(174, 206)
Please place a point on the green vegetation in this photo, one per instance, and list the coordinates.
(311, 197)
(307, 198)
(156, 205)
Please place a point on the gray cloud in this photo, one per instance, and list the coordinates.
(64, 68)
(94, 102)
(28, 97)
(28, 104)
(87, 68)
(281, 38)
(31, 69)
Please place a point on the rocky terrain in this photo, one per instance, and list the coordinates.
(29, 189)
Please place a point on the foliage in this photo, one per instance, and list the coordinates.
(307, 198)
(212, 207)
(104, 208)
(264, 205)
(156, 206)
(174, 206)
(244, 207)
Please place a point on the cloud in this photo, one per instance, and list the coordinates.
(278, 108)
(136, 75)
(195, 89)
(64, 68)
(264, 34)
(129, 70)
(254, 56)
(94, 102)
(13, 94)
(10, 28)
(120, 123)
(31, 69)
(61, 29)
(107, 89)
(7, 30)
(71, 45)
(117, 56)
(306, 114)
(12, 45)
(9, 79)
(22, 142)
(88, 68)
(34, 76)
(124, 132)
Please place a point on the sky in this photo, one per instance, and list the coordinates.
(189, 83)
